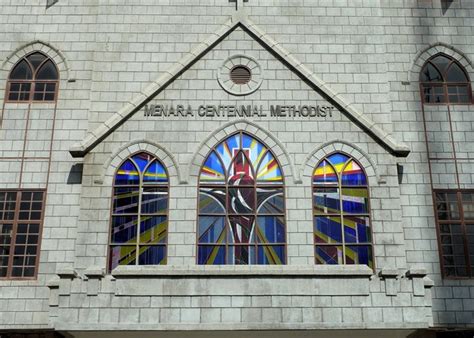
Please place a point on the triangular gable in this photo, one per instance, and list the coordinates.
(156, 87)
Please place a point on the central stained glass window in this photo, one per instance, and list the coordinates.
(241, 205)
(139, 222)
(342, 233)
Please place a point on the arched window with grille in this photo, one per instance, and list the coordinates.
(241, 207)
(342, 232)
(139, 217)
(33, 79)
(443, 80)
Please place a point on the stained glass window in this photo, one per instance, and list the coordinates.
(342, 233)
(241, 205)
(455, 218)
(21, 220)
(34, 78)
(139, 222)
(443, 80)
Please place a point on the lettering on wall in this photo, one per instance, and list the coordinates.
(273, 111)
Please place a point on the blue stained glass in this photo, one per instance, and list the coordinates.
(211, 229)
(152, 255)
(353, 175)
(354, 200)
(254, 149)
(212, 201)
(325, 174)
(154, 200)
(360, 254)
(127, 174)
(228, 149)
(126, 200)
(213, 171)
(271, 254)
(153, 229)
(356, 229)
(329, 254)
(338, 160)
(124, 229)
(141, 159)
(155, 173)
(211, 255)
(328, 229)
(326, 200)
(271, 229)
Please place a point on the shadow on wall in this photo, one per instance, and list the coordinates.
(442, 334)
(445, 4)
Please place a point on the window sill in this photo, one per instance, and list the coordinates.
(241, 271)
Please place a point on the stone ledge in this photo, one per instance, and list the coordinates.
(239, 327)
(242, 271)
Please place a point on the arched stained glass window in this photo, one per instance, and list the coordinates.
(241, 205)
(342, 233)
(34, 78)
(139, 220)
(443, 80)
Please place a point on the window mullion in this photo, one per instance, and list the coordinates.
(139, 218)
(13, 234)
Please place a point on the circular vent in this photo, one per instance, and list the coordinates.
(240, 75)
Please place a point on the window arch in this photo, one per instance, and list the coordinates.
(444, 80)
(342, 233)
(139, 217)
(241, 207)
(33, 79)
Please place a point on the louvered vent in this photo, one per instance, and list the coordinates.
(240, 75)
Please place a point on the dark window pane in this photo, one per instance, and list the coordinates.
(22, 71)
(47, 71)
(430, 74)
(441, 62)
(360, 254)
(456, 74)
(468, 205)
(36, 59)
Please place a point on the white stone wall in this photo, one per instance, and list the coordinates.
(369, 51)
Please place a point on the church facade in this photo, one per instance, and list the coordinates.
(258, 168)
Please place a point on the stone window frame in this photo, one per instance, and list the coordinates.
(255, 214)
(444, 229)
(341, 213)
(445, 84)
(20, 207)
(33, 82)
(166, 186)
